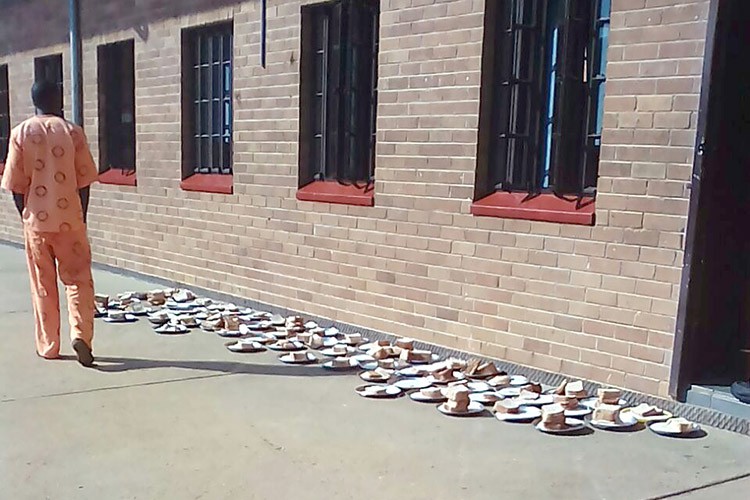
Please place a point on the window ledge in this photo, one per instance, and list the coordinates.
(335, 192)
(209, 183)
(118, 177)
(543, 207)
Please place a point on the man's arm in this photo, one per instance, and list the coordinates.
(86, 172)
(20, 200)
(84, 194)
(15, 179)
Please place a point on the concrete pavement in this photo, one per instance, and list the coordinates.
(183, 418)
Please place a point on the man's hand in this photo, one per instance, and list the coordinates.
(20, 201)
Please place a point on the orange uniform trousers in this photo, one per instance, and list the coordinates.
(69, 254)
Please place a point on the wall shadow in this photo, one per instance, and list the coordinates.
(33, 24)
(117, 365)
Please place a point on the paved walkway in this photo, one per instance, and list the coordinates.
(183, 418)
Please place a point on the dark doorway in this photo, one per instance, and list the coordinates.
(713, 333)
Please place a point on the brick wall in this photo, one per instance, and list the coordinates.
(593, 302)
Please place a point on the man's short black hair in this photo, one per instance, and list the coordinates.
(46, 96)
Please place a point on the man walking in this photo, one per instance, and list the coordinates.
(49, 170)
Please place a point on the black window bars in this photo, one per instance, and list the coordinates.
(548, 88)
(210, 98)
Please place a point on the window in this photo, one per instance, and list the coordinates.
(117, 111)
(207, 101)
(50, 68)
(4, 113)
(338, 91)
(543, 79)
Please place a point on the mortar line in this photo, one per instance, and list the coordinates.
(112, 388)
(702, 487)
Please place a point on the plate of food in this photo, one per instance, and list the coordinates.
(376, 375)
(513, 411)
(287, 346)
(571, 425)
(378, 391)
(677, 427)
(298, 358)
(473, 408)
(647, 413)
(429, 394)
(340, 364)
(611, 417)
(408, 384)
(486, 398)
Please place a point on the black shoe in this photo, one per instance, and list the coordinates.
(83, 353)
(741, 391)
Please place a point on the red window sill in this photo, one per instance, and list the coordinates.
(118, 177)
(544, 207)
(334, 192)
(209, 183)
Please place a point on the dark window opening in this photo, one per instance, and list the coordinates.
(207, 99)
(4, 113)
(117, 105)
(338, 91)
(50, 68)
(542, 96)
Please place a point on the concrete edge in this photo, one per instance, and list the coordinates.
(702, 415)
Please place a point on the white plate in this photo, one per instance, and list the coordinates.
(371, 345)
(544, 399)
(329, 366)
(244, 346)
(331, 332)
(412, 371)
(593, 402)
(364, 376)
(510, 392)
(228, 333)
(518, 380)
(474, 409)
(167, 330)
(331, 354)
(478, 386)
(298, 346)
(525, 413)
(574, 425)
(348, 342)
(626, 420)
(261, 339)
(486, 398)
(661, 428)
(129, 318)
(389, 391)
(179, 306)
(363, 358)
(408, 384)
(287, 358)
(581, 411)
(457, 377)
(435, 358)
(419, 398)
(655, 418)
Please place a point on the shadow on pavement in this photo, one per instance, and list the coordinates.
(117, 365)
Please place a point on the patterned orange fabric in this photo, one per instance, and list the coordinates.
(48, 162)
(69, 254)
